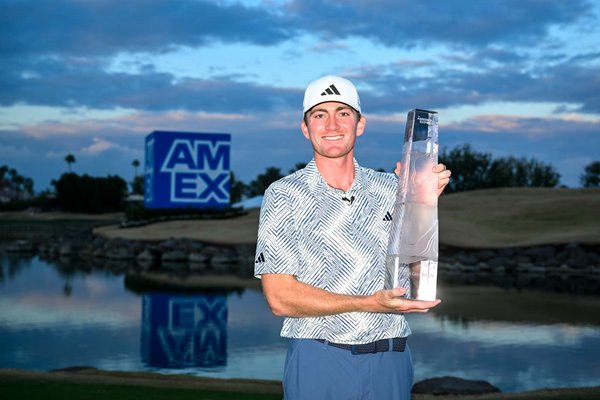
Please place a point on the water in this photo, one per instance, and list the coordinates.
(52, 316)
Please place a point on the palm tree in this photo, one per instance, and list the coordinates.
(135, 164)
(70, 159)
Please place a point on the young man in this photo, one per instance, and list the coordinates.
(321, 249)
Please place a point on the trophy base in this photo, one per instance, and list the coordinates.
(419, 278)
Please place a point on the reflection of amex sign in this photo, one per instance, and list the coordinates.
(199, 170)
(187, 169)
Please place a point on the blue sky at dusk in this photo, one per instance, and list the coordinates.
(94, 77)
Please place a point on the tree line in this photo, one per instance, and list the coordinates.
(470, 170)
(475, 170)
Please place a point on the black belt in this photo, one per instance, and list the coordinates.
(398, 344)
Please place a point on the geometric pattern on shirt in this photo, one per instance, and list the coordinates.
(306, 229)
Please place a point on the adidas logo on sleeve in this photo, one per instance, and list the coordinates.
(260, 258)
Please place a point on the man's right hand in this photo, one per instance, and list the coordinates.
(288, 297)
(392, 301)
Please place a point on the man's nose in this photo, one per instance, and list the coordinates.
(332, 122)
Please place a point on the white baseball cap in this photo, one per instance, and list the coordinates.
(331, 88)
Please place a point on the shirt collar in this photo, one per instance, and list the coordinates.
(316, 181)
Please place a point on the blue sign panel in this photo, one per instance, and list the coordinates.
(185, 169)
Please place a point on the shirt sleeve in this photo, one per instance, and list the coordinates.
(276, 247)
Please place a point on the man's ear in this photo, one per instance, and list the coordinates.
(304, 130)
(360, 126)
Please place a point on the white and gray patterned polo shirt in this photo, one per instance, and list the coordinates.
(334, 240)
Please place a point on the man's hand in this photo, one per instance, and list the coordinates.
(443, 175)
(392, 301)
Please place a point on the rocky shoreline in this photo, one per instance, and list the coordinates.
(180, 254)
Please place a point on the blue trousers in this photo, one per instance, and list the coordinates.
(317, 371)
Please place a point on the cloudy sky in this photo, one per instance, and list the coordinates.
(94, 77)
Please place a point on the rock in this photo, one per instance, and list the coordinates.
(147, 255)
(66, 250)
(523, 259)
(99, 253)
(168, 245)
(224, 257)
(507, 252)
(120, 253)
(145, 265)
(498, 262)
(198, 258)
(483, 266)
(467, 268)
(448, 385)
(175, 265)
(174, 256)
(485, 255)
(210, 251)
(198, 266)
(20, 246)
(499, 270)
(467, 259)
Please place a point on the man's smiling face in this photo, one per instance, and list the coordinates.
(332, 128)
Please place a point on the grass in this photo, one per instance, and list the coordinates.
(36, 389)
(43, 390)
(52, 222)
(489, 218)
(496, 218)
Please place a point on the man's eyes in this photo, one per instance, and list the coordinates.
(340, 114)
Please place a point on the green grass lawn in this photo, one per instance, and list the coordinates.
(41, 390)
(52, 390)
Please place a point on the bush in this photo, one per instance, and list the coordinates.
(591, 175)
(88, 194)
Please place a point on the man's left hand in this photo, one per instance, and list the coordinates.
(443, 177)
(440, 169)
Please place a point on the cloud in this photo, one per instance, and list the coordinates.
(106, 27)
(59, 53)
(385, 88)
(531, 127)
(406, 23)
(85, 56)
(100, 146)
(59, 84)
(442, 87)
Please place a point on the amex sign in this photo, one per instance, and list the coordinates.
(184, 169)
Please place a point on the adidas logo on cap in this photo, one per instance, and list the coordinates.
(331, 88)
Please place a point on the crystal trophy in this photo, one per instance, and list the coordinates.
(412, 256)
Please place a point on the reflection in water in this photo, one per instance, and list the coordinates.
(515, 339)
(184, 331)
(506, 354)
